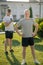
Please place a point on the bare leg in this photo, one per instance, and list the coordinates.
(24, 55)
(10, 44)
(33, 52)
(6, 42)
(24, 52)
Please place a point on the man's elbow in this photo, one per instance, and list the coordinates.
(36, 25)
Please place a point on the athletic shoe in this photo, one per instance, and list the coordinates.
(11, 50)
(6, 52)
(23, 62)
(37, 62)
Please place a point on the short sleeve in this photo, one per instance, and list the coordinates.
(11, 17)
(34, 21)
(19, 23)
(4, 19)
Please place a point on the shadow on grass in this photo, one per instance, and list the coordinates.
(37, 40)
(15, 43)
(14, 62)
(39, 47)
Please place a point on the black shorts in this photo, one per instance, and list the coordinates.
(9, 34)
(27, 41)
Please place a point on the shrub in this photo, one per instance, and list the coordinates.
(40, 32)
(37, 20)
(40, 22)
(41, 26)
(31, 13)
(2, 27)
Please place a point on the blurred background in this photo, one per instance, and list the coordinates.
(18, 6)
(36, 12)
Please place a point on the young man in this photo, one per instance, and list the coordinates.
(27, 35)
(9, 28)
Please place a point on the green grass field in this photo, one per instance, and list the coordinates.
(16, 57)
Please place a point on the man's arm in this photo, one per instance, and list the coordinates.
(16, 28)
(36, 29)
(7, 24)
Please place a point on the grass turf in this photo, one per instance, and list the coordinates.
(16, 57)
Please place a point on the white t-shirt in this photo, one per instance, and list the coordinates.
(7, 19)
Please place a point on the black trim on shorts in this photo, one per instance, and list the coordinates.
(9, 34)
(27, 41)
